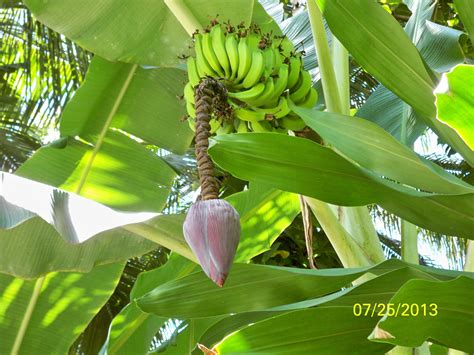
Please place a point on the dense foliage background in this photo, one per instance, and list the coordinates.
(41, 72)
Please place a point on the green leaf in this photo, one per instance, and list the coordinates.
(145, 104)
(301, 166)
(132, 330)
(378, 290)
(65, 306)
(141, 32)
(466, 11)
(166, 230)
(370, 146)
(35, 248)
(456, 104)
(447, 319)
(440, 47)
(385, 109)
(66, 232)
(292, 164)
(121, 174)
(70, 233)
(74, 217)
(391, 57)
(421, 11)
(264, 214)
(320, 330)
(185, 341)
(194, 296)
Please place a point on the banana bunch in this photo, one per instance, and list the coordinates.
(261, 73)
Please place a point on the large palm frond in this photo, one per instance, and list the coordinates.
(39, 71)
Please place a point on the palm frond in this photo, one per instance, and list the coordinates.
(39, 71)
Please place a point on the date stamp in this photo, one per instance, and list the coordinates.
(395, 310)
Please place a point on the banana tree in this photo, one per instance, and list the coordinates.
(168, 71)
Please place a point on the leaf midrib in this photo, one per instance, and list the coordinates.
(105, 128)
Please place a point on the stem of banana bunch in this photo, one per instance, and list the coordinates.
(350, 229)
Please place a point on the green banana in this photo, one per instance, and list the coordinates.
(248, 115)
(267, 93)
(253, 41)
(232, 49)
(294, 123)
(202, 65)
(209, 53)
(245, 59)
(280, 130)
(280, 84)
(189, 93)
(303, 89)
(192, 124)
(193, 74)
(294, 74)
(191, 109)
(261, 127)
(278, 60)
(225, 128)
(278, 111)
(270, 60)
(286, 46)
(256, 70)
(215, 125)
(310, 99)
(241, 126)
(218, 44)
(247, 95)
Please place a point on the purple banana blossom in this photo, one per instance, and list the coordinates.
(212, 230)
